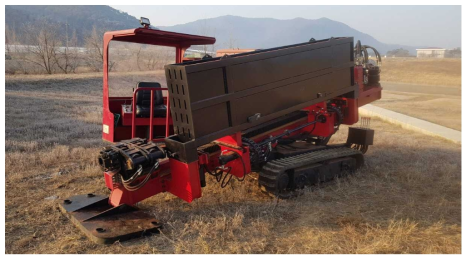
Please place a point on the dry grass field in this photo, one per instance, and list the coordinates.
(444, 110)
(436, 106)
(443, 72)
(407, 199)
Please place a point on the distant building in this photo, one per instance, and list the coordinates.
(431, 52)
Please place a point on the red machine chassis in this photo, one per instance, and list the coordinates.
(181, 178)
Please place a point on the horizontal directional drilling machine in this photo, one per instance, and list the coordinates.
(269, 111)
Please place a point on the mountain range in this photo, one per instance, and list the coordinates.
(259, 33)
(230, 31)
(79, 18)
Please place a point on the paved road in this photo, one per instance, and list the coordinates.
(412, 123)
(428, 89)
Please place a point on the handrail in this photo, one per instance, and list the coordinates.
(151, 116)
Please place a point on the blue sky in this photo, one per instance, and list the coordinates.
(438, 26)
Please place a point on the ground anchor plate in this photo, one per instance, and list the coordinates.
(105, 224)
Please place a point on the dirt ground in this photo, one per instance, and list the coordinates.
(441, 109)
(407, 199)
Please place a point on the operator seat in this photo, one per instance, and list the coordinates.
(143, 101)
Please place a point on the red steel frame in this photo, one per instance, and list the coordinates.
(179, 41)
(180, 178)
(151, 116)
(176, 177)
(183, 181)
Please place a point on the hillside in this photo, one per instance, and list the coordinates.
(241, 32)
(230, 31)
(80, 18)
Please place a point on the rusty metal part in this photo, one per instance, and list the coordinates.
(225, 144)
(105, 224)
(360, 138)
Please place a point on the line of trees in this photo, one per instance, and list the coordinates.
(41, 46)
(398, 53)
(453, 53)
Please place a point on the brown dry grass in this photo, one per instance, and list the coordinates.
(407, 199)
(444, 110)
(443, 72)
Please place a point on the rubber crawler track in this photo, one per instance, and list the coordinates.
(268, 175)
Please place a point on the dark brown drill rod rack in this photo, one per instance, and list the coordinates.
(215, 97)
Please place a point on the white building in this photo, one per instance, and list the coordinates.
(431, 52)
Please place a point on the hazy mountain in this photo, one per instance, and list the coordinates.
(80, 18)
(257, 33)
(230, 31)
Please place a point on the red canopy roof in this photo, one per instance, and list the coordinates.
(158, 37)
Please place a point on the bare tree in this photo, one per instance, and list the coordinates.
(67, 58)
(10, 42)
(13, 61)
(453, 53)
(231, 41)
(152, 57)
(10, 39)
(153, 60)
(41, 41)
(138, 57)
(149, 57)
(158, 56)
(206, 30)
(42, 48)
(94, 45)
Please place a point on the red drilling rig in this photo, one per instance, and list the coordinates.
(269, 111)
